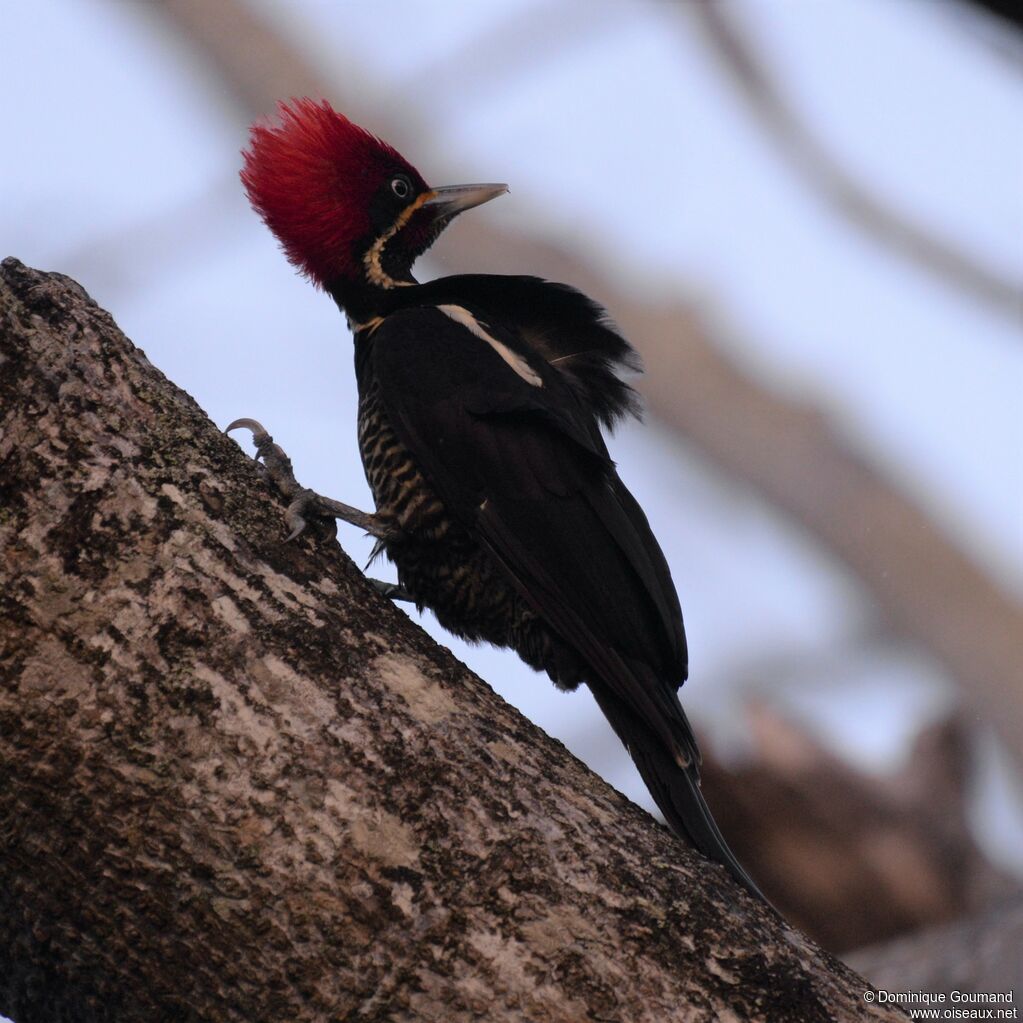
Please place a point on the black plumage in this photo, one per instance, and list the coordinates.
(513, 524)
(481, 402)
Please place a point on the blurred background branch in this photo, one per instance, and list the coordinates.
(978, 954)
(740, 58)
(856, 859)
(1005, 10)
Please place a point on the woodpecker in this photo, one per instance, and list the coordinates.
(481, 403)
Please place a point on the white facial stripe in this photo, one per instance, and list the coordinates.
(371, 324)
(374, 268)
(374, 271)
(517, 363)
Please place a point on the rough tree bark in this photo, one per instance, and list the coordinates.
(238, 785)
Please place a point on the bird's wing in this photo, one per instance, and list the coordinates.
(514, 456)
(561, 325)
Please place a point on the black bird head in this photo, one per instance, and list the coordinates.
(345, 206)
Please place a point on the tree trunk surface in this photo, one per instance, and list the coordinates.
(236, 784)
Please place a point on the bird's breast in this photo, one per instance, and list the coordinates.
(439, 560)
(402, 494)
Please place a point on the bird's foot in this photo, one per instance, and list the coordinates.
(303, 501)
(394, 591)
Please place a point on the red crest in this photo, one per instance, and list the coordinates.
(312, 179)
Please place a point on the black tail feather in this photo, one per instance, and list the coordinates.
(675, 789)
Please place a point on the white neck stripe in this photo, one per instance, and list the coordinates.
(517, 363)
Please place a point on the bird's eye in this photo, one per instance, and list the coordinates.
(401, 186)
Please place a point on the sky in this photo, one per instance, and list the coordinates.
(620, 137)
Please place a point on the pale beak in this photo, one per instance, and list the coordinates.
(450, 200)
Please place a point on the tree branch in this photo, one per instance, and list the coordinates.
(1008, 13)
(239, 785)
(849, 857)
(978, 954)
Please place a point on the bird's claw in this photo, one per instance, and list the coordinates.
(278, 467)
(393, 591)
(303, 502)
(261, 439)
(257, 428)
(294, 517)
